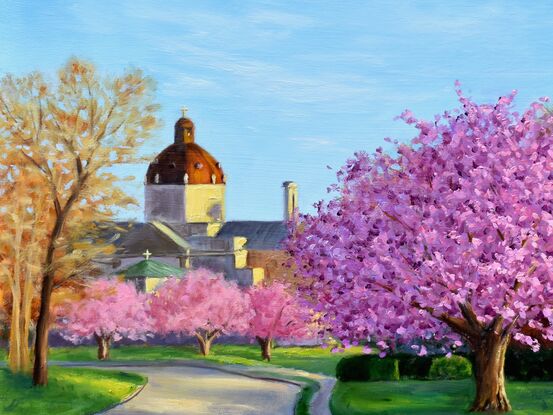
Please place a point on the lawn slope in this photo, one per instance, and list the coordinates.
(70, 391)
(447, 397)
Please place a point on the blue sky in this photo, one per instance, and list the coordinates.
(281, 90)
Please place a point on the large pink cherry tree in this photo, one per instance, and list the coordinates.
(278, 314)
(110, 311)
(203, 305)
(450, 239)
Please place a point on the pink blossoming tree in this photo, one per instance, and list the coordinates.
(278, 315)
(203, 305)
(450, 240)
(110, 311)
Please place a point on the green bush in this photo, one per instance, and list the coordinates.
(526, 365)
(367, 367)
(454, 367)
(384, 369)
(354, 368)
(412, 366)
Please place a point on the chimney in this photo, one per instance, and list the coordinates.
(290, 200)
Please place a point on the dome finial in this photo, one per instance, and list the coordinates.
(184, 128)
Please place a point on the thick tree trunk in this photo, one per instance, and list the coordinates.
(15, 328)
(205, 345)
(489, 343)
(103, 346)
(25, 321)
(205, 340)
(14, 360)
(26, 305)
(40, 368)
(489, 366)
(266, 344)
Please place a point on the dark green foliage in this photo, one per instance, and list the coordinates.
(524, 364)
(402, 365)
(412, 366)
(367, 367)
(384, 369)
(354, 368)
(454, 367)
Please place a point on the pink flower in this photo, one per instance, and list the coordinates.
(461, 214)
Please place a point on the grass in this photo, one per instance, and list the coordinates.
(310, 359)
(305, 395)
(69, 391)
(432, 397)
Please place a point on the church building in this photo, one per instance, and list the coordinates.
(185, 223)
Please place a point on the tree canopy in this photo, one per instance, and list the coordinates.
(450, 239)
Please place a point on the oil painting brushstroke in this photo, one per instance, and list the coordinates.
(226, 208)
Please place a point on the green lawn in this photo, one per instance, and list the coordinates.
(311, 359)
(432, 397)
(69, 391)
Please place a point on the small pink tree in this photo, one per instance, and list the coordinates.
(203, 305)
(110, 311)
(450, 239)
(278, 315)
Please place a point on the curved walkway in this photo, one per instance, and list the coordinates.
(192, 390)
(216, 389)
(179, 388)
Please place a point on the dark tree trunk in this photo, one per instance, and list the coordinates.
(40, 368)
(265, 344)
(103, 346)
(489, 363)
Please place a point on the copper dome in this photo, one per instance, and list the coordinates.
(184, 162)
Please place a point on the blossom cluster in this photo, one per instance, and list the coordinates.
(461, 214)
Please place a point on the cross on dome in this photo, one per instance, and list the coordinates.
(184, 111)
(147, 254)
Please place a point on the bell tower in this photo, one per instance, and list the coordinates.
(185, 183)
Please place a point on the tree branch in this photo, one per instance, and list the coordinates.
(470, 316)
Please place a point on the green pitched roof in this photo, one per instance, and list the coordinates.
(152, 268)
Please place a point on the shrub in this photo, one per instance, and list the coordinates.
(454, 367)
(354, 368)
(384, 369)
(526, 365)
(367, 367)
(413, 367)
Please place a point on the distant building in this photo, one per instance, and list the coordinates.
(185, 219)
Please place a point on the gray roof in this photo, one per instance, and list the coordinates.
(261, 235)
(162, 239)
(135, 238)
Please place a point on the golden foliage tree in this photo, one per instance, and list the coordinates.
(21, 237)
(70, 132)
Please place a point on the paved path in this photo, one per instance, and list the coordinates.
(320, 402)
(193, 390)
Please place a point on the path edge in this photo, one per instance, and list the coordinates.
(126, 399)
(319, 403)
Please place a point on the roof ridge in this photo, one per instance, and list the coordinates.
(171, 234)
